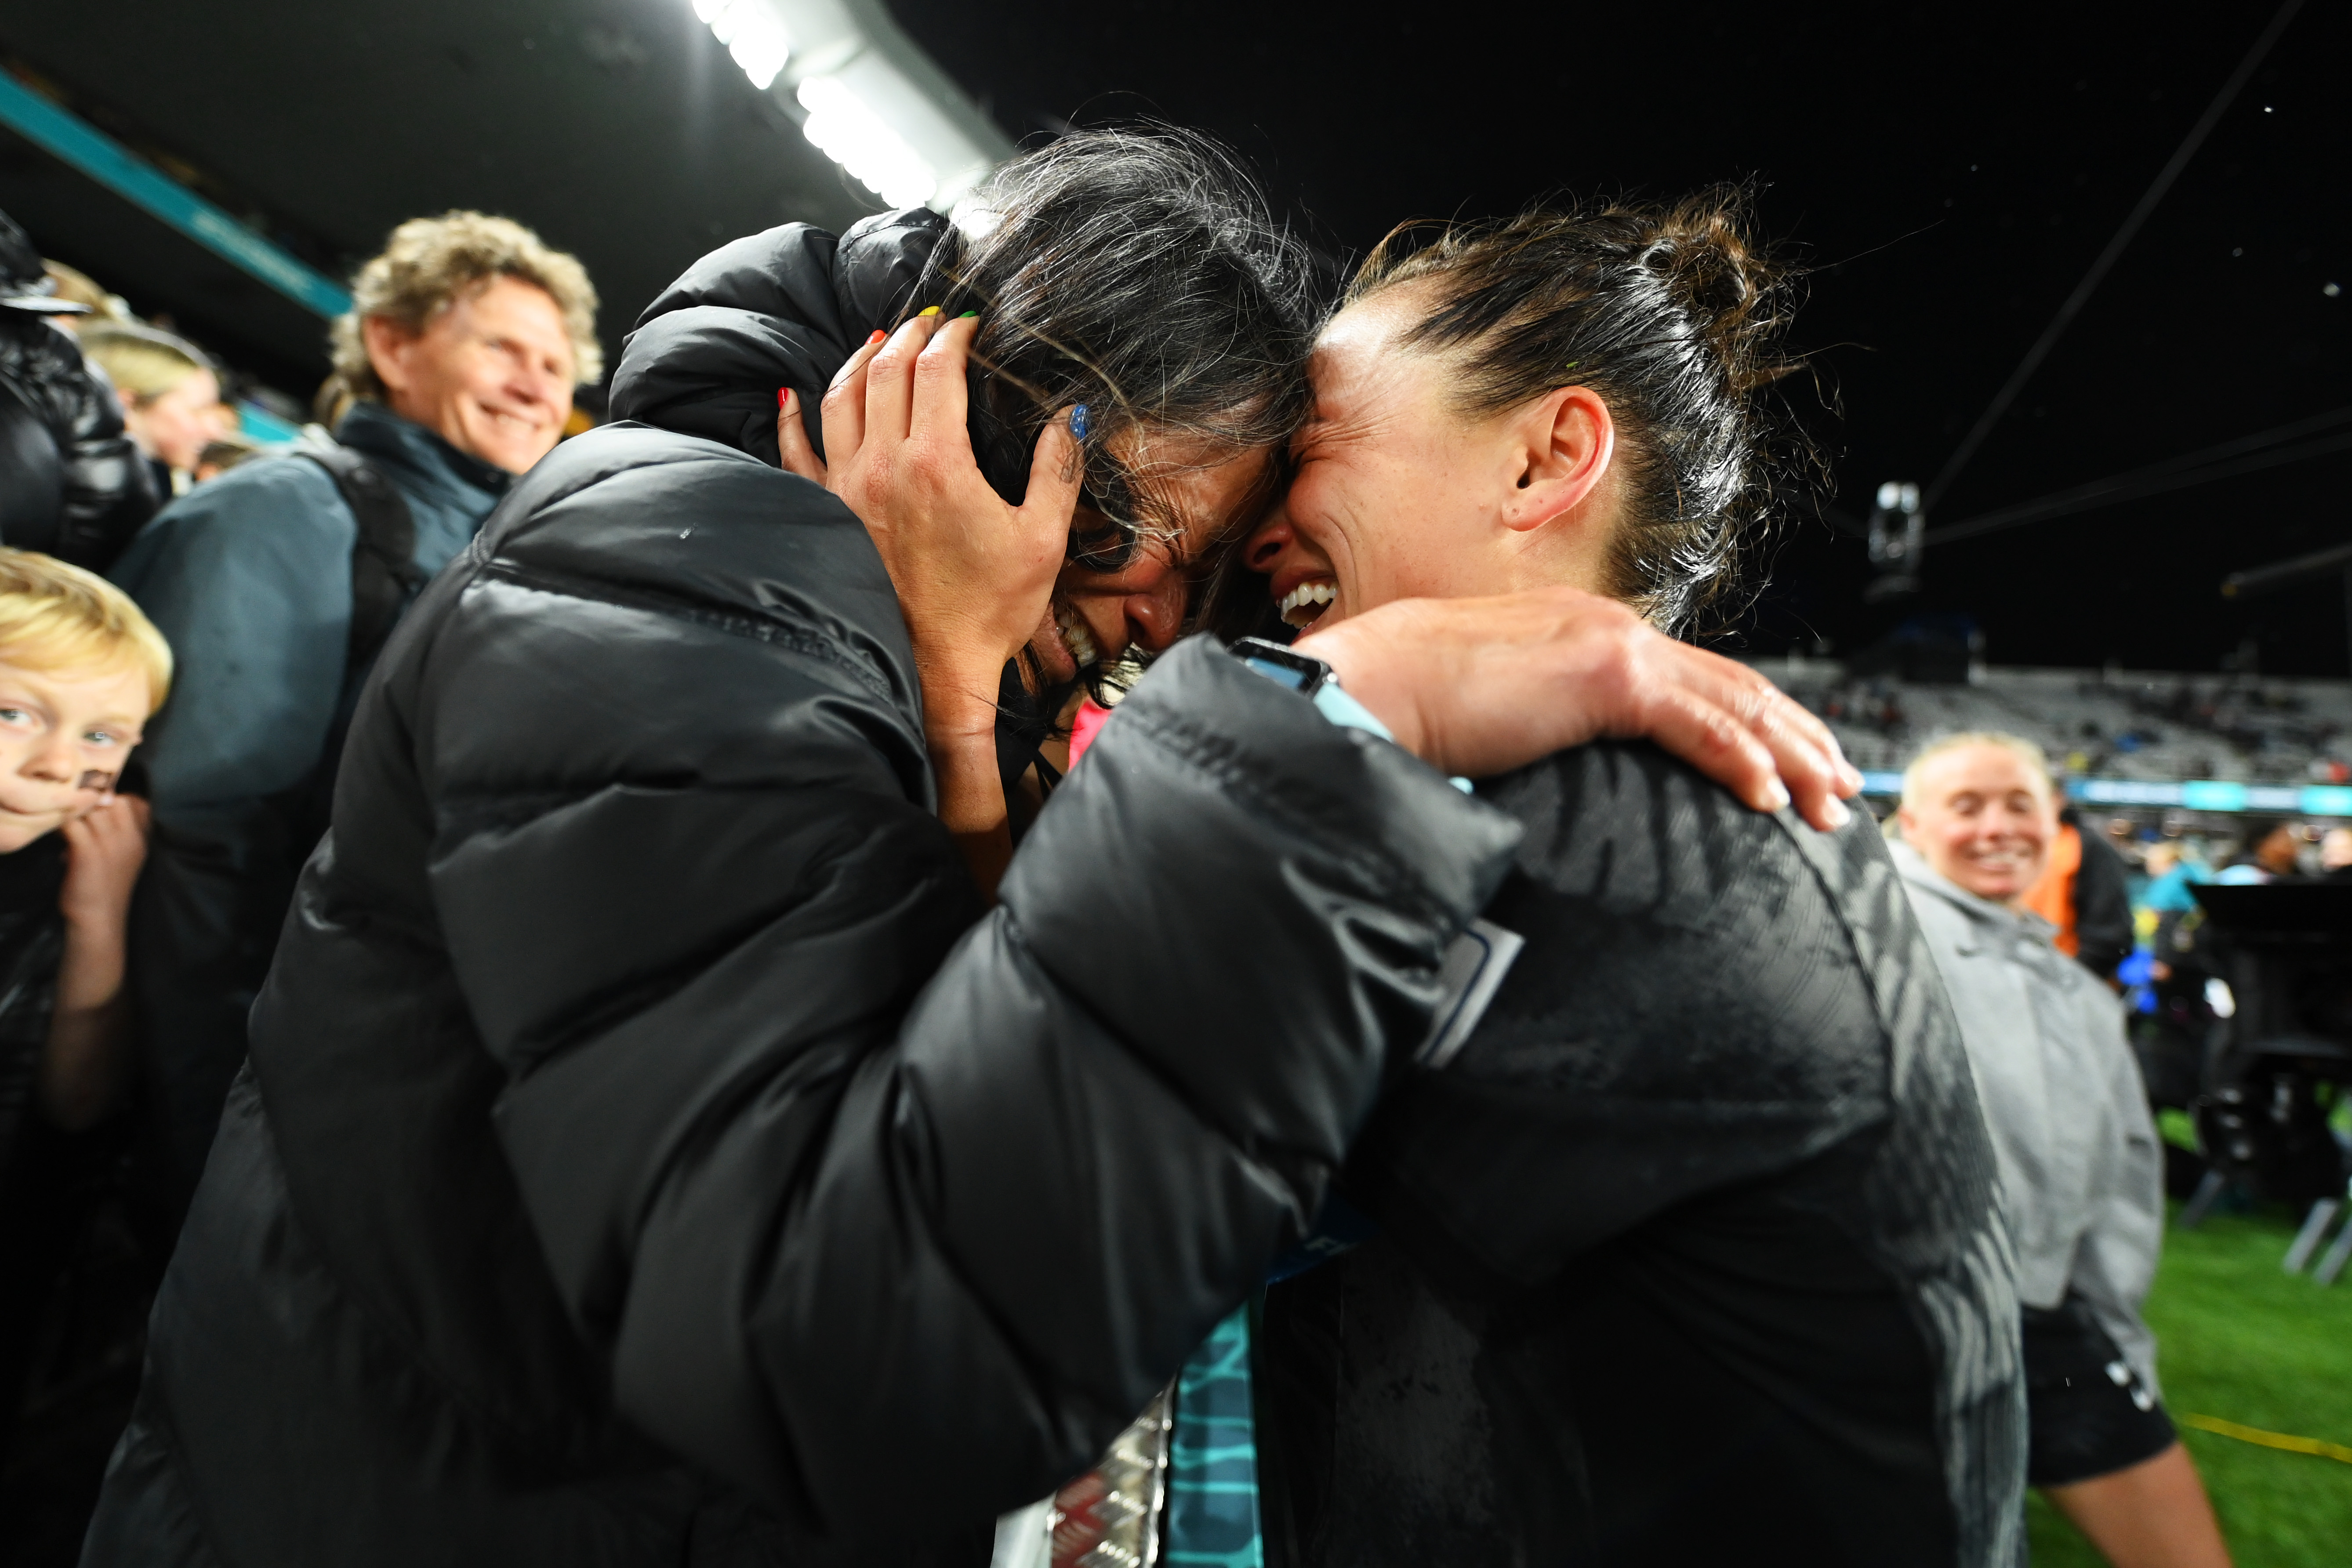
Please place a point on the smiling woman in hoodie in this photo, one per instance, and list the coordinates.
(2081, 1170)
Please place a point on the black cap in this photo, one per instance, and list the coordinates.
(24, 281)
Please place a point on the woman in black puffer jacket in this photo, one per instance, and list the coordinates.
(618, 1177)
(653, 1150)
(72, 484)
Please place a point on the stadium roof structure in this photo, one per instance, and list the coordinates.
(1947, 175)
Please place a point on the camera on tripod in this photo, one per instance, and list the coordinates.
(2277, 1067)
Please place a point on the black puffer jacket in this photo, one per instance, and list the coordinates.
(72, 484)
(650, 1151)
(1691, 1255)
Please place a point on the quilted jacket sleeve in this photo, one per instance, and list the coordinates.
(841, 1176)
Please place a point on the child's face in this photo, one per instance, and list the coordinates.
(64, 737)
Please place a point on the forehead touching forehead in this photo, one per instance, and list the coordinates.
(1369, 342)
(1141, 274)
(1184, 490)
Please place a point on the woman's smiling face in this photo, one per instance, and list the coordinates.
(1199, 498)
(1380, 443)
(1396, 495)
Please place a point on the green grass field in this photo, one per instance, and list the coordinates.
(2245, 1341)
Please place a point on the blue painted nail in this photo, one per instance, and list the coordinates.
(1078, 423)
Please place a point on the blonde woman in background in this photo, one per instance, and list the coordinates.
(170, 393)
(2081, 1175)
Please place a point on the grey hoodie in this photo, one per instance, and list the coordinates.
(2081, 1175)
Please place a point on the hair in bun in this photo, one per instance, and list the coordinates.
(1673, 315)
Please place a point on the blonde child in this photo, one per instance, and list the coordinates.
(81, 670)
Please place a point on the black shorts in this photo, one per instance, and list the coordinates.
(2089, 1412)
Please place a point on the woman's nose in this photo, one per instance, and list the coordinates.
(1155, 611)
(1266, 543)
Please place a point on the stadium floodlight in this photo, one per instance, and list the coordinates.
(864, 94)
(1897, 529)
(754, 36)
(842, 127)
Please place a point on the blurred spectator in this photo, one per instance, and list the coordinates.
(224, 452)
(2335, 854)
(81, 671)
(170, 393)
(278, 584)
(2080, 1162)
(78, 288)
(71, 483)
(2272, 848)
(2083, 893)
(2163, 898)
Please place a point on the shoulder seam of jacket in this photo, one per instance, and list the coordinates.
(796, 636)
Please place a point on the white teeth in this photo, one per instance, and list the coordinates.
(1320, 592)
(1075, 637)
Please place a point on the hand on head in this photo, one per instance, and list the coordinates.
(973, 573)
(1111, 592)
(1426, 631)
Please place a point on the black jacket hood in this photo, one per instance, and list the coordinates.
(781, 308)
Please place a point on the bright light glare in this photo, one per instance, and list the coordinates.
(752, 35)
(842, 127)
(978, 222)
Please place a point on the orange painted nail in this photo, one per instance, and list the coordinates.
(875, 339)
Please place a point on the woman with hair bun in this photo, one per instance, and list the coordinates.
(1682, 1244)
(1687, 1251)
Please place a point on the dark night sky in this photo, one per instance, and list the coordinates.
(1948, 171)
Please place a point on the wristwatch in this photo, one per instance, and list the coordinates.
(1320, 684)
(1311, 679)
(1302, 672)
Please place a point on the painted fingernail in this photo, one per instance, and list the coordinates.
(783, 397)
(927, 311)
(968, 315)
(875, 339)
(1078, 423)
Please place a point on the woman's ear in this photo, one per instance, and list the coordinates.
(1566, 440)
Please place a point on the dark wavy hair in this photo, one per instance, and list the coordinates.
(1673, 315)
(1136, 271)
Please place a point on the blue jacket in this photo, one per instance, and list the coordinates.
(249, 578)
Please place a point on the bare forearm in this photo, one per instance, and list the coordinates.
(961, 733)
(87, 1059)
